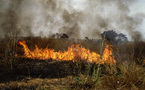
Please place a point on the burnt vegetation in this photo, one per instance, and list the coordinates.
(128, 70)
(20, 18)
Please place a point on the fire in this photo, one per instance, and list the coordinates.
(73, 53)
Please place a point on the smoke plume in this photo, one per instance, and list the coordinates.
(85, 18)
(12, 20)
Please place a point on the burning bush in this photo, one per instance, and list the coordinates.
(69, 55)
(81, 63)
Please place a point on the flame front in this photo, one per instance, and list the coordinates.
(74, 52)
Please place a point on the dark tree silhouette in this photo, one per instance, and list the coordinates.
(114, 38)
(64, 36)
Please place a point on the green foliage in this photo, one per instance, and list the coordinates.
(77, 80)
(89, 79)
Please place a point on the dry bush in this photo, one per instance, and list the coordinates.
(128, 73)
(62, 44)
(56, 44)
(9, 49)
(130, 52)
(91, 46)
(123, 77)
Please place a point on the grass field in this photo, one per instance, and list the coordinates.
(18, 72)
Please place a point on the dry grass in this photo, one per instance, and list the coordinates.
(39, 84)
(128, 74)
(126, 77)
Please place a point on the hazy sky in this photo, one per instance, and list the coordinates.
(78, 18)
(135, 8)
(138, 7)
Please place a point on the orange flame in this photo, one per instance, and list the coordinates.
(73, 52)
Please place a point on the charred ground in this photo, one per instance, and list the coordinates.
(15, 68)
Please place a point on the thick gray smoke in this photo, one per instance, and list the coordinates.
(85, 18)
(12, 20)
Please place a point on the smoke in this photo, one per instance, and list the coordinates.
(77, 18)
(71, 26)
(115, 15)
(12, 19)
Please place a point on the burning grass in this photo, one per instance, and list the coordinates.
(69, 55)
(31, 71)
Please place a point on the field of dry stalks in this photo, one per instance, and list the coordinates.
(20, 72)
